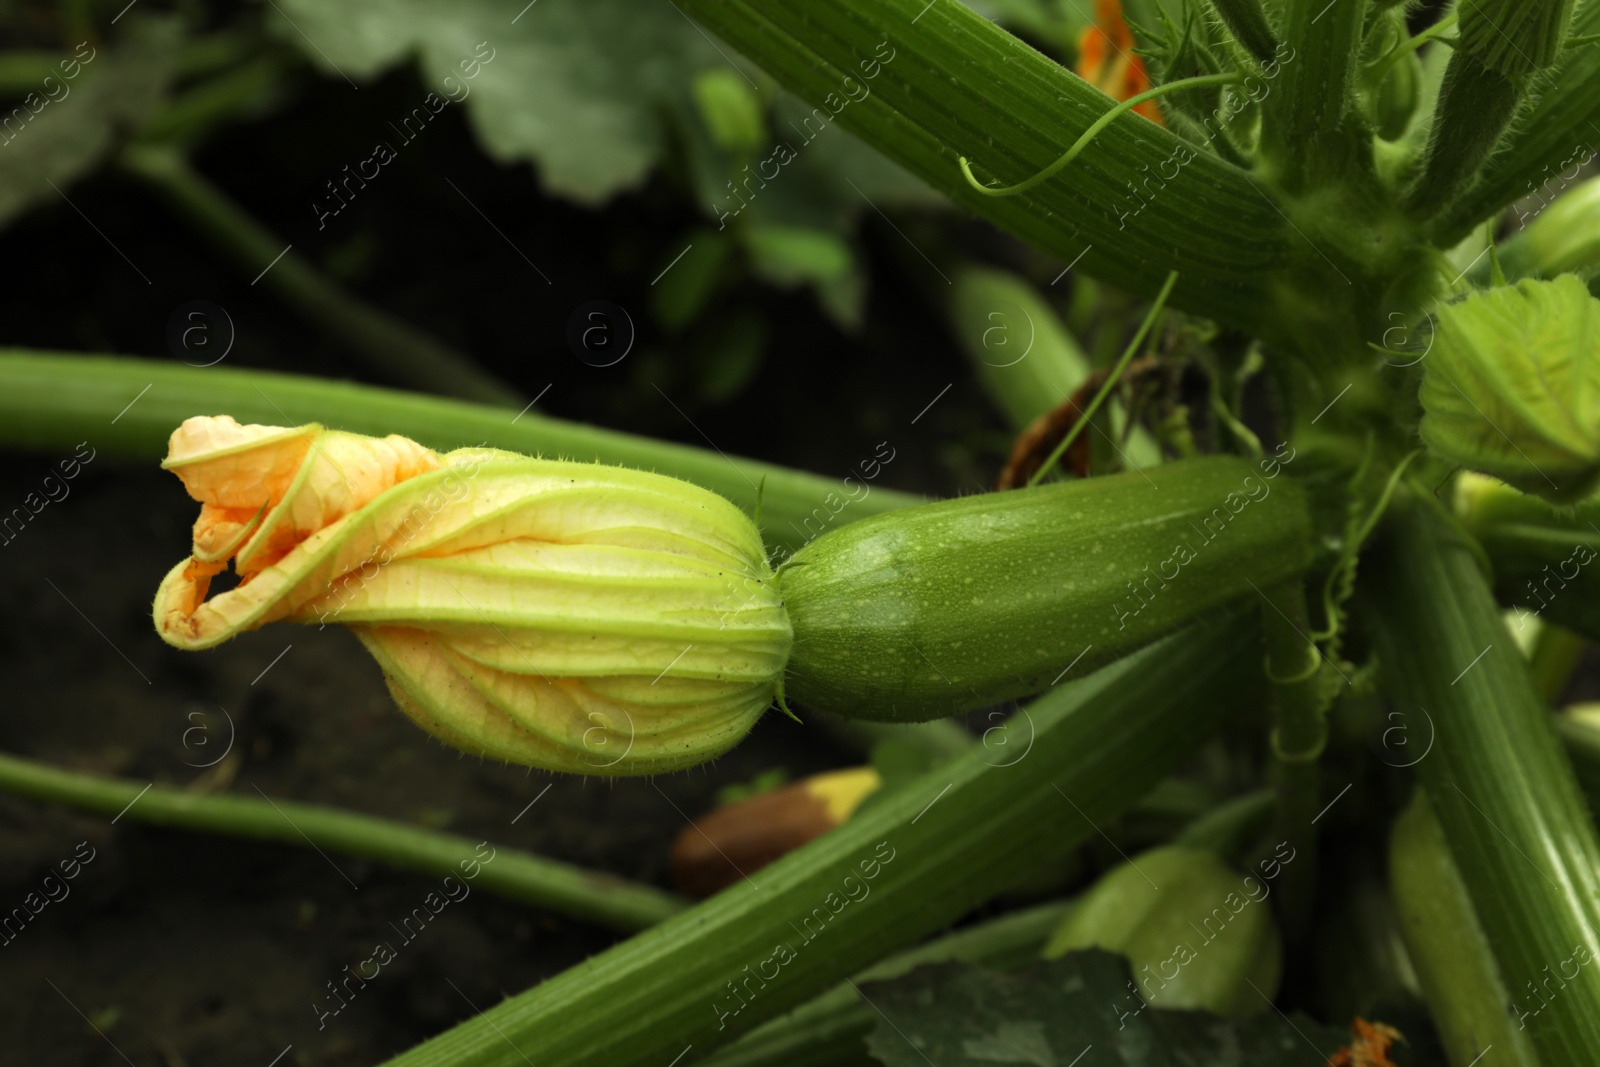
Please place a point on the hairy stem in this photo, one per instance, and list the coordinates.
(1304, 126)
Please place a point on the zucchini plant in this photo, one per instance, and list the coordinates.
(1290, 514)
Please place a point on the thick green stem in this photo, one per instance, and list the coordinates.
(1299, 735)
(945, 82)
(386, 346)
(1499, 781)
(1553, 136)
(833, 1028)
(130, 406)
(520, 876)
(1248, 21)
(1304, 119)
(923, 856)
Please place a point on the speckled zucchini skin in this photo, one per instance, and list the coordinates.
(949, 607)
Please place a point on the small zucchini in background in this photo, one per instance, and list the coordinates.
(1197, 934)
(1460, 979)
(949, 607)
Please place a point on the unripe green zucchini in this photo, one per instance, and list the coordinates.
(949, 607)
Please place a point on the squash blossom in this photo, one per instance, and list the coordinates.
(569, 616)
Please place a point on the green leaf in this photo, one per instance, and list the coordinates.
(963, 1015)
(1511, 386)
(683, 288)
(65, 127)
(792, 255)
(578, 87)
(730, 109)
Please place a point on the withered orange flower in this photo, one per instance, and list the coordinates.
(1369, 1045)
(1106, 59)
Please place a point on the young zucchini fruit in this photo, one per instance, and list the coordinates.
(950, 607)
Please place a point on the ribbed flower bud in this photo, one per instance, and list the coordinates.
(569, 616)
(1511, 386)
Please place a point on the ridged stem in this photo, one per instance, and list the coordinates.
(1500, 783)
(1248, 21)
(130, 406)
(1553, 136)
(930, 83)
(521, 876)
(1475, 106)
(922, 856)
(1304, 118)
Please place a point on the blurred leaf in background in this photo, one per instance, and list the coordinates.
(69, 110)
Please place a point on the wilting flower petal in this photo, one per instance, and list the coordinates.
(570, 616)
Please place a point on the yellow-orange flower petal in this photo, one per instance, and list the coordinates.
(1107, 61)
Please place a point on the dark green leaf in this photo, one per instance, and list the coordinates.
(1080, 1006)
(64, 128)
